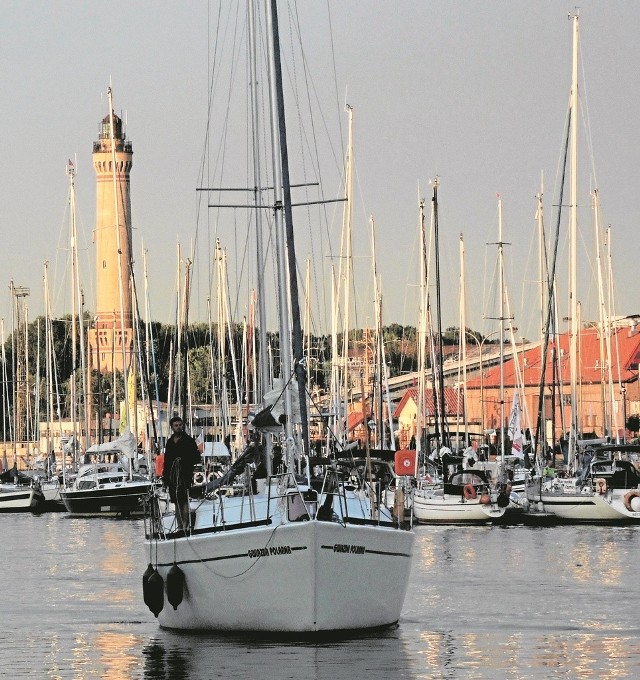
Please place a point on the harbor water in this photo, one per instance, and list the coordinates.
(482, 602)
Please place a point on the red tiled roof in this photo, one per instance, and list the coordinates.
(354, 419)
(451, 397)
(625, 351)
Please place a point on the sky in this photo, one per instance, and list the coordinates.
(474, 93)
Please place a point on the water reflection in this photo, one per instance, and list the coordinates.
(171, 656)
(482, 602)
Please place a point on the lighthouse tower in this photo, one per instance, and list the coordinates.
(112, 238)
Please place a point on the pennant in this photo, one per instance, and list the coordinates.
(515, 429)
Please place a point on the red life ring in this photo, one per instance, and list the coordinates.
(469, 492)
(405, 462)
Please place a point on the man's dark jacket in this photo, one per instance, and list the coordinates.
(182, 454)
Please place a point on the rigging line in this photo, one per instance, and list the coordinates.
(205, 160)
(314, 159)
(586, 118)
(241, 270)
(220, 158)
(309, 79)
(551, 294)
(335, 75)
(310, 86)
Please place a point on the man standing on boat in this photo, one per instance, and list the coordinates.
(180, 456)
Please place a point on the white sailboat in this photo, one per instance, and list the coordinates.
(607, 489)
(309, 554)
(466, 495)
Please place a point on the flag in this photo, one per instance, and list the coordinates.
(515, 430)
(200, 442)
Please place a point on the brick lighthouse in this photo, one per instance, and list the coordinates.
(112, 238)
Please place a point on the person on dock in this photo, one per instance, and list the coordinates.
(180, 456)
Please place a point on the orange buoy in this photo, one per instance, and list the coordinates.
(469, 492)
(485, 499)
(405, 462)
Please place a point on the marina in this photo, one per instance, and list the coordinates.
(482, 602)
(255, 461)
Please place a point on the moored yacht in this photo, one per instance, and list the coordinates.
(298, 557)
(19, 493)
(106, 483)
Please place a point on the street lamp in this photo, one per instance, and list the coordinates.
(480, 344)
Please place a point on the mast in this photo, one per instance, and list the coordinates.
(381, 440)
(283, 199)
(5, 399)
(610, 313)
(347, 243)
(122, 267)
(263, 367)
(422, 332)
(463, 340)
(443, 406)
(573, 241)
(544, 289)
(71, 172)
(501, 321)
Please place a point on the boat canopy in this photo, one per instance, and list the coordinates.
(124, 445)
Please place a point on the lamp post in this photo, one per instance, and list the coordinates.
(480, 344)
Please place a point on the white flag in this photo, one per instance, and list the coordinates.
(515, 430)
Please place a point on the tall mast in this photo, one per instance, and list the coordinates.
(74, 313)
(602, 312)
(463, 339)
(5, 399)
(501, 321)
(610, 314)
(346, 269)
(381, 440)
(255, 130)
(544, 289)
(283, 200)
(122, 267)
(422, 330)
(573, 241)
(436, 236)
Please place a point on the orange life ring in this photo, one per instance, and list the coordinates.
(628, 497)
(601, 486)
(469, 492)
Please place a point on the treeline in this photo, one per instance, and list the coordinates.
(158, 345)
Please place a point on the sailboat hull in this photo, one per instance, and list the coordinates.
(110, 499)
(20, 499)
(590, 507)
(437, 509)
(302, 577)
